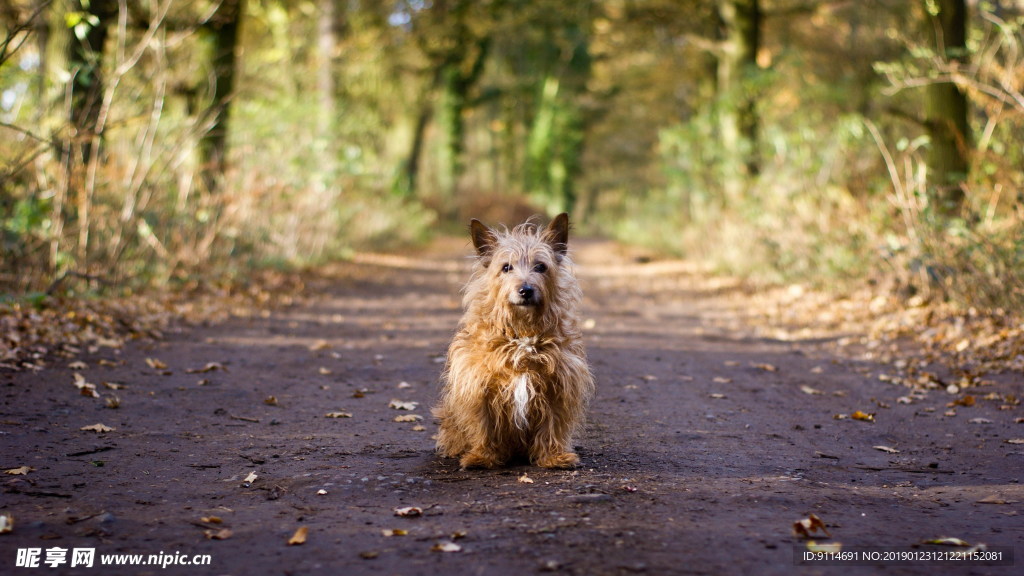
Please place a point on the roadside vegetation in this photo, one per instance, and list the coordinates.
(152, 144)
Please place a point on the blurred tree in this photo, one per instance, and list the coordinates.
(454, 37)
(737, 66)
(89, 20)
(459, 59)
(946, 108)
(219, 36)
(327, 44)
(555, 140)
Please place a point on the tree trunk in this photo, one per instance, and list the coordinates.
(221, 36)
(555, 142)
(946, 109)
(85, 63)
(326, 43)
(409, 178)
(54, 40)
(451, 128)
(738, 118)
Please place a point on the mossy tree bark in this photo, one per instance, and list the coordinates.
(946, 108)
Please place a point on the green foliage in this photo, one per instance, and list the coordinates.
(400, 118)
(796, 222)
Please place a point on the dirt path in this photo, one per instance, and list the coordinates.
(704, 445)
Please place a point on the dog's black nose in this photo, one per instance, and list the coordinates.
(526, 292)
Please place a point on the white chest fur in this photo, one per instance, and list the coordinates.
(522, 391)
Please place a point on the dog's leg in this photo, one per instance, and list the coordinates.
(471, 430)
(483, 449)
(546, 457)
(552, 444)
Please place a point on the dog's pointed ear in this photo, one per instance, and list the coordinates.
(557, 234)
(483, 238)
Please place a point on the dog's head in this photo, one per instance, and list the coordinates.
(521, 267)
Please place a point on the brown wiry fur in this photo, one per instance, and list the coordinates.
(516, 383)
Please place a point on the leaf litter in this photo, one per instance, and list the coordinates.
(806, 527)
(299, 537)
(19, 471)
(66, 326)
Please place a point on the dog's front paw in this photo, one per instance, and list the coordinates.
(479, 459)
(560, 460)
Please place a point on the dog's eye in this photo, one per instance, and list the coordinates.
(506, 268)
(540, 268)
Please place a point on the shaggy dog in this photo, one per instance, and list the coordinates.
(516, 383)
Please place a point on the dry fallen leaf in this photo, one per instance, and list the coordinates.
(78, 365)
(946, 541)
(417, 428)
(250, 479)
(408, 418)
(409, 512)
(6, 523)
(222, 534)
(319, 345)
(766, 367)
(524, 479)
(805, 526)
(393, 532)
(446, 546)
(1015, 441)
(808, 390)
(114, 386)
(321, 492)
(967, 401)
(338, 415)
(19, 471)
(716, 396)
(299, 537)
(156, 364)
(270, 401)
(101, 428)
(863, 416)
(211, 520)
(400, 405)
(324, 371)
(888, 449)
(980, 421)
(210, 367)
(85, 388)
(994, 499)
(112, 401)
(721, 380)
